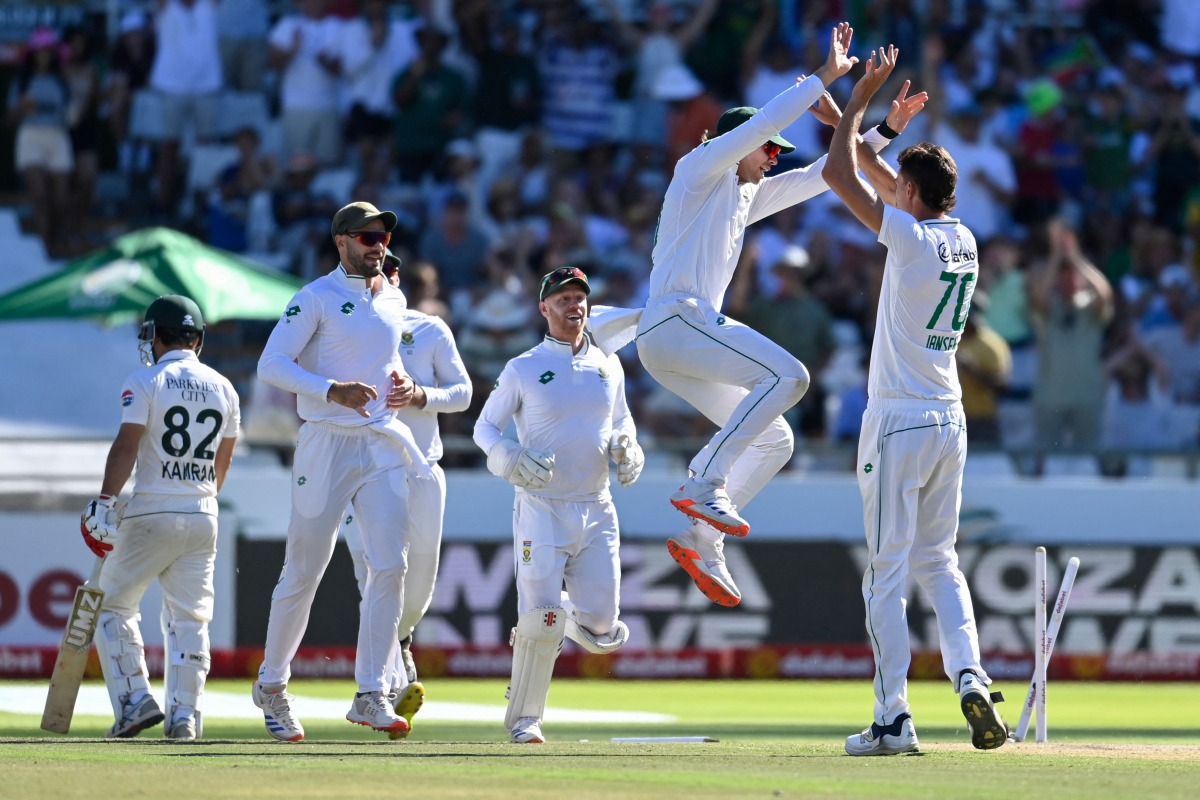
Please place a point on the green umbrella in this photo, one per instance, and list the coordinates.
(116, 284)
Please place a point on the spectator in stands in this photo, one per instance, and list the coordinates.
(1169, 303)
(81, 69)
(1038, 192)
(242, 27)
(186, 77)
(1179, 347)
(1136, 406)
(305, 49)
(421, 286)
(455, 244)
(431, 108)
(302, 215)
(580, 64)
(1072, 303)
(508, 94)
(1174, 154)
(241, 190)
(798, 322)
(984, 365)
(691, 111)
(1002, 276)
(374, 50)
(654, 50)
(129, 72)
(38, 104)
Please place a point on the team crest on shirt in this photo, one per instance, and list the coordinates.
(347, 308)
(526, 550)
(603, 373)
(406, 339)
(126, 399)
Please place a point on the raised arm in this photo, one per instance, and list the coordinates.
(841, 168)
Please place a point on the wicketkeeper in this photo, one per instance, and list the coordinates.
(568, 400)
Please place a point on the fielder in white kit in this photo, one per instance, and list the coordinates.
(437, 383)
(568, 400)
(913, 444)
(337, 341)
(179, 424)
(735, 376)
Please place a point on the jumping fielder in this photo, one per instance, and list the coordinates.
(568, 399)
(735, 376)
(179, 424)
(914, 435)
(438, 384)
(338, 340)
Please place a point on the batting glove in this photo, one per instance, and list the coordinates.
(99, 524)
(629, 458)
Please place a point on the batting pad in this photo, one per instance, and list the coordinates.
(536, 641)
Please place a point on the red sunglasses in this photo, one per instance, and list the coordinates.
(772, 150)
(371, 238)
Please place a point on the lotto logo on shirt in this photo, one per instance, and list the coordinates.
(126, 399)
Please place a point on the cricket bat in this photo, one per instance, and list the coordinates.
(73, 654)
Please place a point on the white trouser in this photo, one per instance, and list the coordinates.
(426, 506)
(736, 377)
(571, 540)
(334, 467)
(910, 467)
(179, 550)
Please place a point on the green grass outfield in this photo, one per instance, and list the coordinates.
(777, 739)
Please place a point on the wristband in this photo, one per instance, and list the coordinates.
(886, 131)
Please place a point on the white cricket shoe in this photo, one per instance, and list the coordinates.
(410, 666)
(373, 710)
(710, 502)
(879, 740)
(276, 705)
(988, 730)
(704, 561)
(528, 730)
(407, 704)
(182, 730)
(135, 718)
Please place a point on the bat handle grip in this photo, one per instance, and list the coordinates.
(94, 578)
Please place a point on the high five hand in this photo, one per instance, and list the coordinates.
(839, 61)
(877, 72)
(904, 108)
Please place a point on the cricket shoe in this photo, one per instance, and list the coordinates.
(704, 561)
(373, 710)
(276, 705)
(135, 718)
(407, 704)
(885, 740)
(410, 666)
(710, 503)
(988, 730)
(183, 730)
(528, 730)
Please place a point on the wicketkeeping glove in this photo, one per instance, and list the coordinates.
(99, 524)
(629, 458)
(521, 466)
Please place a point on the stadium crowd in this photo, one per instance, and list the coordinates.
(516, 136)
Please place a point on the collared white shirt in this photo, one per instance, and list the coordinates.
(432, 360)
(334, 329)
(188, 60)
(566, 404)
(187, 408)
(706, 211)
(928, 281)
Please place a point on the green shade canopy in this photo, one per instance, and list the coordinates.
(116, 284)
